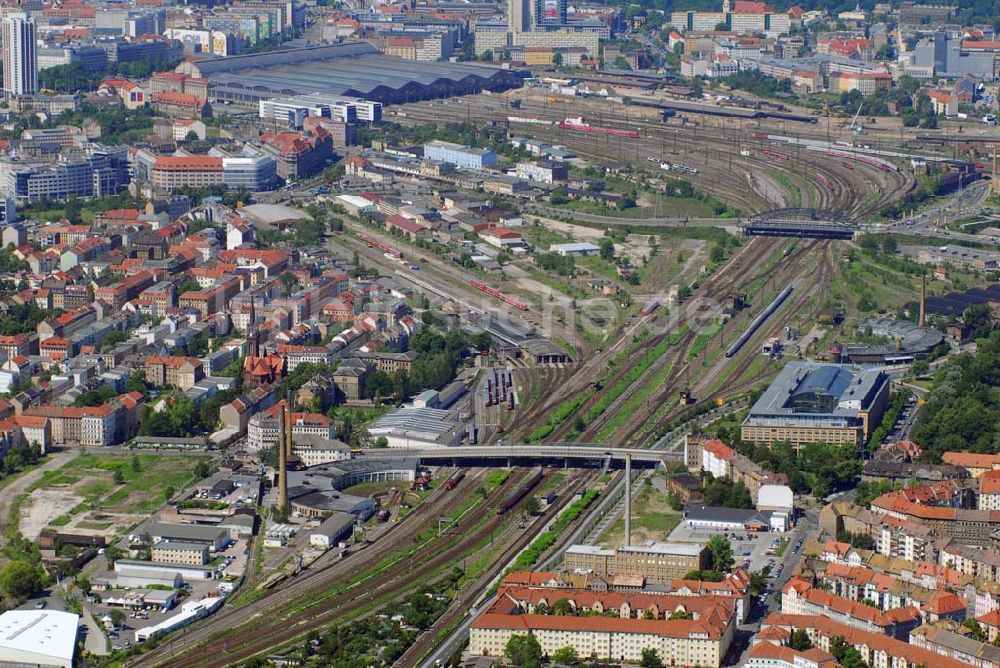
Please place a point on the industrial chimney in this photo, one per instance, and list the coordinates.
(628, 499)
(282, 462)
(288, 430)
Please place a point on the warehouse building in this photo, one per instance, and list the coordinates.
(336, 527)
(818, 403)
(38, 638)
(350, 70)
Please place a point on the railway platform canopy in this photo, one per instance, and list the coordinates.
(568, 455)
(800, 223)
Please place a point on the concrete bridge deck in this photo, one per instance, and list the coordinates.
(569, 455)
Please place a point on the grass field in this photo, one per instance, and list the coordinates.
(145, 478)
(652, 519)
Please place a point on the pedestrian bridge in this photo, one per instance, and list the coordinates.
(567, 455)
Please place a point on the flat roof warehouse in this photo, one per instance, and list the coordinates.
(354, 70)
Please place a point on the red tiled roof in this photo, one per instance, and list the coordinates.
(719, 449)
(183, 163)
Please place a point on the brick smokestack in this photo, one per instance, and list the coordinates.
(282, 463)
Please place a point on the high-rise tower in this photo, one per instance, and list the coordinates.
(20, 55)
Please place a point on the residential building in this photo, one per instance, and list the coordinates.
(262, 429)
(178, 371)
(639, 622)
(20, 55)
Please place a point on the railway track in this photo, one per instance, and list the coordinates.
(715, 152)
(393, 582)
(726, 372)
(320, 574)
(683, 366)
(740, 269)
(463, 602)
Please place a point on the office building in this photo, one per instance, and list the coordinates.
(20, 55)
(463, 157)
(658, 562)
(819, 403)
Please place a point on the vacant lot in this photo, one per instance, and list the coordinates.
(652, 519)
(104, 493)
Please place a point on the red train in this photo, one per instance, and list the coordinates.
(775, 154)
(382, 246)
(454, 479)
(760, 135)
(822, 179)
(493, 292)
(523, 490)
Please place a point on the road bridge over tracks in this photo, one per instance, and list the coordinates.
(568, 455)
(800, 223)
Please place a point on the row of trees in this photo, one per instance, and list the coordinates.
(77, 77)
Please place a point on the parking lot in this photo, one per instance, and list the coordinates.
(752, 549)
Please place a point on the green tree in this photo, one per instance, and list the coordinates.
(720, 554)
(565, 656)
(118, 477)
(524, 651)
(651, 659)
(20, 580)
(530, 505)
(557, 59)
(113, 338)
(117, 617)
(562, 607)
(136, 463)
(758, 581)
(800, 641)
(607, 249)
(73, 210)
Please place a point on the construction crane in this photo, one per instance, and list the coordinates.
(856, 127)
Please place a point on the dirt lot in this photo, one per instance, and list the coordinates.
(103, 494)
(44, 506)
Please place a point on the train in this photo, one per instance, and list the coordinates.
(758, 321)
(493, 292)
(883, 165)
(522, 490)
(775, 154)
(650, 307)
(454, 479)
(580, 125)
(529, 119)
(389, 251)
(822, 179)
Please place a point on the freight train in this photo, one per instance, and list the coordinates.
(522, 490)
